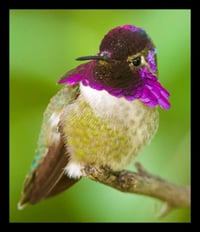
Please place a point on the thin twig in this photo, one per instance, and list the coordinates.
(142, 182)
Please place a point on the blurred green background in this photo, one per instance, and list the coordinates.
(43, 46)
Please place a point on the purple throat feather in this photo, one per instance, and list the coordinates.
(149, 90)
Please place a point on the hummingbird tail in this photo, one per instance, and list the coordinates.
(49, 178)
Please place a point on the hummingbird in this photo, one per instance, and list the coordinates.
(103, 116)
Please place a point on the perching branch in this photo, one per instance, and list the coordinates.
(142, 182)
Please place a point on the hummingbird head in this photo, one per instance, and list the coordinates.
(124, 67)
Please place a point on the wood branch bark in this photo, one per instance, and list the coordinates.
(142, 182)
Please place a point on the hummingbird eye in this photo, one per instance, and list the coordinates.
(136, 61)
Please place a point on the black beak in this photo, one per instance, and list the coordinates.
(92, 58)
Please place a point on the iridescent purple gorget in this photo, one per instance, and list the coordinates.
(110, 71)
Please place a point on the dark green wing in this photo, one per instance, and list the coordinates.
(47, 177)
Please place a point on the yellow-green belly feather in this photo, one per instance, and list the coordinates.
(91, 139)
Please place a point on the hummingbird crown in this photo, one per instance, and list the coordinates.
(125, 41)
(124, 67)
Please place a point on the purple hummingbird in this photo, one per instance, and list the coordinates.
(104, 115)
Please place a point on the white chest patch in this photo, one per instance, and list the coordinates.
(104, 104)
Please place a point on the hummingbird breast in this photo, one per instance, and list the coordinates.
(103, 130)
